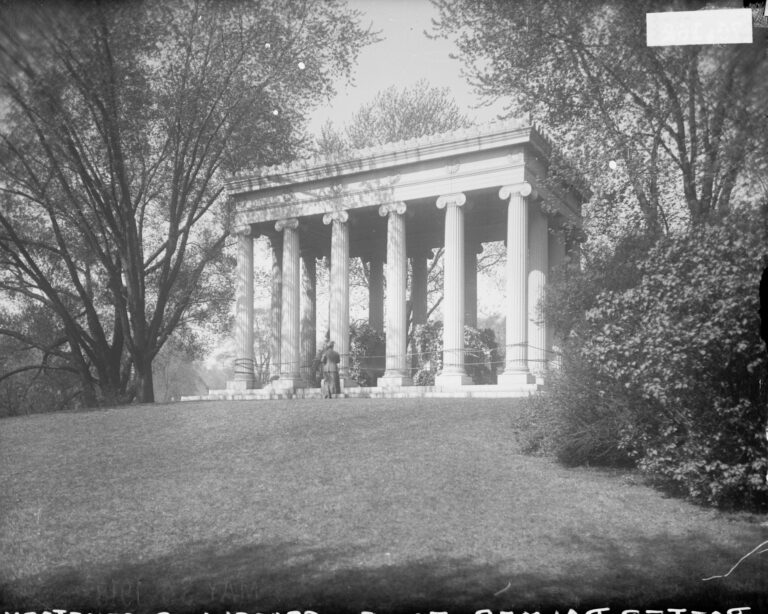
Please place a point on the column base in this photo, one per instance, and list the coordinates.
(394, 380)
(288, 383)
(453, 380)
(512, 379)
(241, 384)
(348, 382)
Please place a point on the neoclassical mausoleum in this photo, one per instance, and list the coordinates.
(391, 206)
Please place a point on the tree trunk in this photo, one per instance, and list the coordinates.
(88, 396)
(145, 390)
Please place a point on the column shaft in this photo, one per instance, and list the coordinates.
(244, 377)
(376, 293)
(556, 260)
(537, 278)
(276, 249)
(470, 284)
(419, 288)
(397, 372)
(516, 364)
(339, 289)
(290, 375)
(453, 373)
(308, 316)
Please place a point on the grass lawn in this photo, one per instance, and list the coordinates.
(339, 506)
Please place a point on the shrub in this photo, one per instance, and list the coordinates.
(576, 421)
(679, 357)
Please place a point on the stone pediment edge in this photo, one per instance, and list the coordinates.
(510, 132)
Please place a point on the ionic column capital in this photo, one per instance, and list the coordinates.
(455, 200)
(336, 216)
(243, 231)
(398, 207)
(523, 188)
(291, 223)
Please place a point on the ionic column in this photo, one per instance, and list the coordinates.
(397, 372)
(516, 363)
(537, 279)
(376, 293)
(453, 373)
(419, 286)
(470, 282)
(308, 315)
(276, 249)
(290, 375)
(339, 288)
(556, 260)
(244, 377)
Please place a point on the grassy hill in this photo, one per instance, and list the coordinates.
(335, 506)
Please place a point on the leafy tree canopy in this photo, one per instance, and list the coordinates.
(117, 123)
(684, 124)
(395, 114)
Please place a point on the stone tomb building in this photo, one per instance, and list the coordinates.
(388, 205)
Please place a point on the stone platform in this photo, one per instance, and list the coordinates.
(373, 392)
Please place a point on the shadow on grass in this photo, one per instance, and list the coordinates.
(278, 577)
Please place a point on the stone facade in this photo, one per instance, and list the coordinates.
(395, 204)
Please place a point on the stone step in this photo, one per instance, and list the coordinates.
(374, 392)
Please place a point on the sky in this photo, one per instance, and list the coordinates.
(404, 56)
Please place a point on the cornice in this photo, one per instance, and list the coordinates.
(457, 142)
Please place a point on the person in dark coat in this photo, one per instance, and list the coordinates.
(331, 360)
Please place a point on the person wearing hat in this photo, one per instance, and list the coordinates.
(331, 360)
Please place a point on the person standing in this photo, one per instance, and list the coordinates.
(331, 360)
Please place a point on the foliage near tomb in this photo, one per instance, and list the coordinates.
(579, 419)
(672, 369)
(366, 354)
(481, 358)
(427, 351)
(119, 122)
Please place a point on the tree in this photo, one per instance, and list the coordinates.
(678, 121)
(395, 115)
(118, 122)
